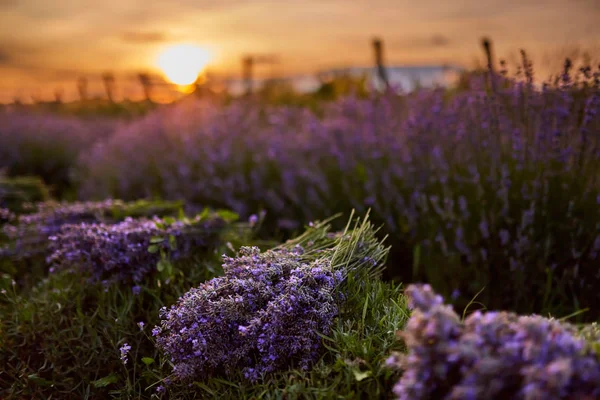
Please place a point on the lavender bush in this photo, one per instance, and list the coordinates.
(266, 313)
(47, 146)
(477, 188)
(129, 251)
(493, 355)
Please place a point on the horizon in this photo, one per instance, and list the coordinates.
(404, 76)
(72, 39)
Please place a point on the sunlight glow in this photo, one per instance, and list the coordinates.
(182, 63)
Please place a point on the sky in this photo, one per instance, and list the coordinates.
(47, 44)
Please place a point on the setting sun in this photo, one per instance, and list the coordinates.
(182, 63)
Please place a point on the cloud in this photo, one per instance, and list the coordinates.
(5, 58)
(401, 43)
(8, 3)
(419, 42)
(10, 52)
(207, 4)
(144, 37)
(439, 40)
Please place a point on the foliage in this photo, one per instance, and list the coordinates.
(15, 193)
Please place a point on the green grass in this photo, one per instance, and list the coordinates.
(61, 338)
(15, 192)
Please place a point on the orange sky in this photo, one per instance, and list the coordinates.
(45, 44)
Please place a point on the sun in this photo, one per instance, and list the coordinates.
(182, 63)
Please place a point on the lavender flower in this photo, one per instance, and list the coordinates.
(128, 251)
(253, 220)
(6, 216)
(124, 352)
(263, 316)
(30, 233)
(493, 355)
(504, 237)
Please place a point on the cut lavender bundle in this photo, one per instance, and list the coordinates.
(265, 315)
(130, 250)
(493, 355)
(28, 235)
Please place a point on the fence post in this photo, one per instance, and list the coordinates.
(58, 96)
(381, 72)
(82, 88)
(487, 47)
(146, 83)
(247, 64)
(109, 86)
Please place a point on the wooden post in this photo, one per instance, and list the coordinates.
(58, 96)
(146, 83)
(35, 98)
(381, 72)
(82, 86)
(247, 66)
(487, 47)
(109, 85)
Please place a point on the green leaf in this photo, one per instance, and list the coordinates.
(107, 380)
(147, 360)
(153, 248)
(364, 312)
(227, 215)
(360, 375)
(162, 264)
(172, 242)
(39, 381)
(361, 173)
(157, 239)
(204, 214)
(206, 388)
(595, 347)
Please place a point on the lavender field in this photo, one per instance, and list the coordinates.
(437, 244)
